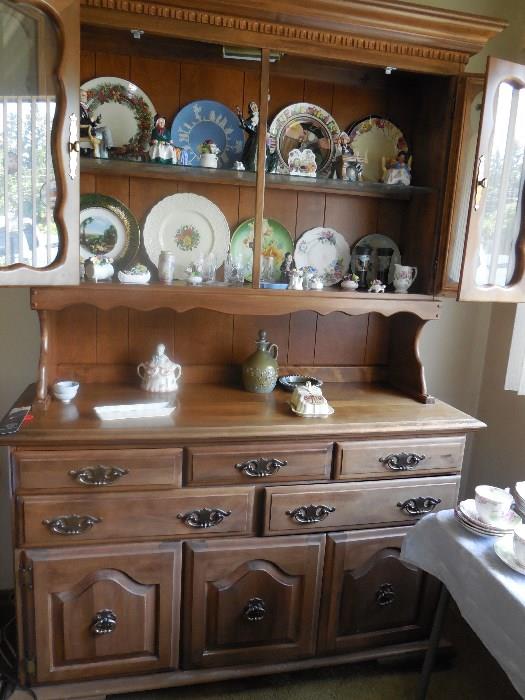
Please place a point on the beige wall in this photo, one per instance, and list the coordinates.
(453, 349)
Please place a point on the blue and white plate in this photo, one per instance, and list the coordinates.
(205, 119)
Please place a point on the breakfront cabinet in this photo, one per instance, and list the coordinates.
(233, 538)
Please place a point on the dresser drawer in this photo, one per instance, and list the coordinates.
(343, 506)
(96, 469)
(46, 520)
(398, 458)
(258, 463)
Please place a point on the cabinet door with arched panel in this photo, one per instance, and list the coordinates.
(39, 106)
(494, 256)
(370, 597)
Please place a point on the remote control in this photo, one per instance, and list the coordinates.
(13, 419)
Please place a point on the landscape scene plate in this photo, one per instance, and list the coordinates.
(188, 225)
(375, 138)
(108, 229)
(125, 109)
(208, 120)
(276, 243)
(325, 252)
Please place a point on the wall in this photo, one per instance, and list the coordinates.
(453, 349)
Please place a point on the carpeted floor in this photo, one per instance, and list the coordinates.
(471, 675)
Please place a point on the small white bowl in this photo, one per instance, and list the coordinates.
(134, 278)
(65, 391)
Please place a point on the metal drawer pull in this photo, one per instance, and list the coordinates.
(104, 622)
(71, 524)
(385, 595)
(204, 517)
(98, 476)
(419, 505)
(310, 514)
(255, 610)
(402, 462)
(261, 466)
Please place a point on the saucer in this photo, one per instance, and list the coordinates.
(505, 552)
(506, 524)
(474, 529)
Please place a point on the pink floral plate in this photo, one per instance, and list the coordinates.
(325, 252)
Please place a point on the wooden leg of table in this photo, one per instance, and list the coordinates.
(435, 636)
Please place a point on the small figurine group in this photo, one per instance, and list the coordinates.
(346, 165)
(162, 149)
(305, 278)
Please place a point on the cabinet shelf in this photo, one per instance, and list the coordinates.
(239, 300)
(102, 166)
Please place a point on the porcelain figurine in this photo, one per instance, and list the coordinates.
(308, 276)
(272, 156)
(377, 287)
(296, 280)
(98, 269)
(316, 282)
(161, 149)
(251, 127)
(99, 134)
(209, 154)
(342, 148)
(238, 165)
(194, 272)
(160, 374)
(302, 162)
(350, 282)
(260, 371)
(287, 267)
(398, 171)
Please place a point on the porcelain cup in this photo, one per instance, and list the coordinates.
(65, 391)
(404, 276)
(519, 544)
(492, 503)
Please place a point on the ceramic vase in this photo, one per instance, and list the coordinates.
(260, 371)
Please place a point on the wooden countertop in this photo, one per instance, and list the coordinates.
(206, 412)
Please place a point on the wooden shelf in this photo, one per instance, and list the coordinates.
(104, 166)
(239, 300)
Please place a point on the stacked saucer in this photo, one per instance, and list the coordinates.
(467, 514)
(520, 496)
(504, 548)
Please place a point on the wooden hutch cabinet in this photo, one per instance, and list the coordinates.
(233, 538)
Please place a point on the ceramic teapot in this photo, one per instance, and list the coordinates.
(160, 373)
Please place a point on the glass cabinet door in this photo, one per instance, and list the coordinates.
(494, 261)
(39, 55)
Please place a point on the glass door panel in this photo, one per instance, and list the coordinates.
(493, 267)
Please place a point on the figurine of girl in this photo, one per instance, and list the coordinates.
(161, 148)
(251, 126)
(398, 171)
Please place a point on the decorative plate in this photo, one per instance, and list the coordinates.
(375, 241)
(289, 381)
(276, 243)
(373, 138)
(325, 252)
(504, 548)
(303, 125)
(188, 225)
(107, 228)
(203, 120)
(125, 109)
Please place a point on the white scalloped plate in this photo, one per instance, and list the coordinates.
(188, 225)
(324, 251)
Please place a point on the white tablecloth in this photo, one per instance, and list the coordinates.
(490, 595)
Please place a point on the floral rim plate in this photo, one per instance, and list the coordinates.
(205, 119)
(108, 228)
(325, 252)
(505, 551)
(373, 138)
(375, 241)
(276, 243)
(188, 225)
(125, 109)
(304, 125)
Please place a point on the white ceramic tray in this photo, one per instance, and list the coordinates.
(135, 410)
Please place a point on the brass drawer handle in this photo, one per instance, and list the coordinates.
(402, 461)
(204, 517)
(255, 610)
(71, 524)
(310, 514)
(419, 506)
(98, 476)
(104, 622)
(261, 466)
(385, 595)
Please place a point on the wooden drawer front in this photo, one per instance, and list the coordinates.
(251, 601)
(45, 520)
(341, 506)
(259, 463)
(370, 598)
(97, 469)
(385, 459)
(105, 611)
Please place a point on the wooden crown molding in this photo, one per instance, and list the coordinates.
(350, 27)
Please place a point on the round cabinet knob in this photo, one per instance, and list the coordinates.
(255, 610)
(104, 622)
